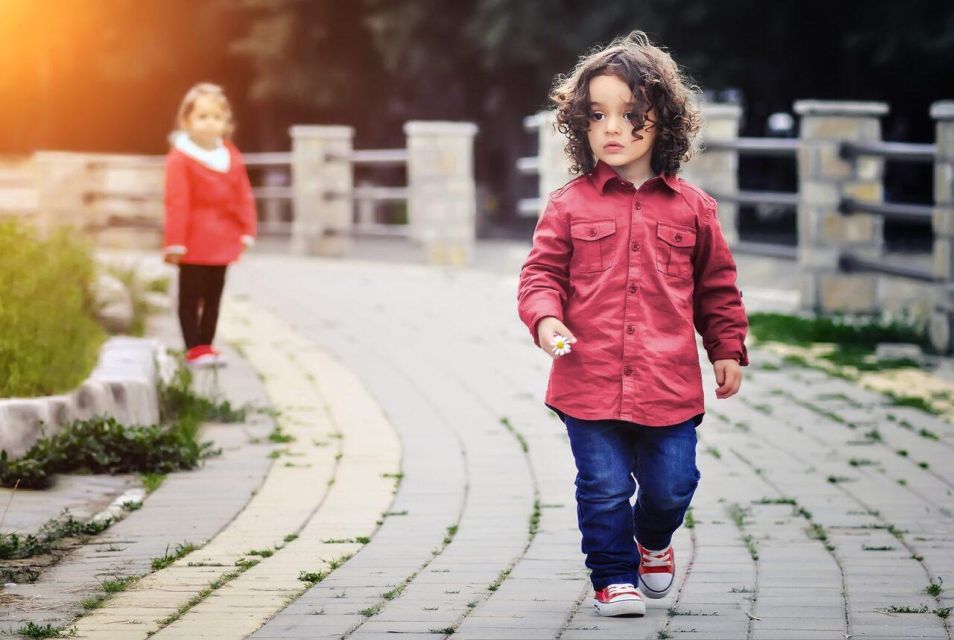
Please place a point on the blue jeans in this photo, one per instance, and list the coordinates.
(608, 454)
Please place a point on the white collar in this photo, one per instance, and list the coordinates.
(217, 159)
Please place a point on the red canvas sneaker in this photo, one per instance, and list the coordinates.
(619, 600)
(657, 571)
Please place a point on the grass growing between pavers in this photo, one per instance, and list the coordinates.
(33, 630)
(26, 556)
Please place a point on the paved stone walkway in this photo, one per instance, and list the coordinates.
(431, 492)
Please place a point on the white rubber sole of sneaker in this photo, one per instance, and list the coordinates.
(633, 607)
(207, 361)
(649, 592)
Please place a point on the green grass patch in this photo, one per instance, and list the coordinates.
(852, 332)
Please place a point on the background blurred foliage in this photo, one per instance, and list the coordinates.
(108, 74)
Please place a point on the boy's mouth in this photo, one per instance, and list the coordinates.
(612, 146)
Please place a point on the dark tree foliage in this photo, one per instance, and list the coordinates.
(108, 74)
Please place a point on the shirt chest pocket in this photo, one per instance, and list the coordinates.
(594, 245)
(674, 245)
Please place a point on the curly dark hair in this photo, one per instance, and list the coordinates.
(656, 82)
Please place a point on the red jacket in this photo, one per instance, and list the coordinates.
(631, 273)
(207, 211)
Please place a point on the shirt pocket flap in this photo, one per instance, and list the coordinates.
(675, 235)
(595, 230)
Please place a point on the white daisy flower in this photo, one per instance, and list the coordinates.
(561, 345)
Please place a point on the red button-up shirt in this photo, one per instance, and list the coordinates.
(632, 273)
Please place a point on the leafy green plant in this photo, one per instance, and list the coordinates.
(103, 445)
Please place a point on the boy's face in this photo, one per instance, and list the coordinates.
(207, 121)
(612, 106)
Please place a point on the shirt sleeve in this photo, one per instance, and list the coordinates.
(247, 214)
(718, 312)
(544, 278)
(177, 204)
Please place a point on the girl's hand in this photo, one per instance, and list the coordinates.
(728, 376)
(547, 331)
(172, 258)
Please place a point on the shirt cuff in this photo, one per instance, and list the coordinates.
(174, 249)
(248, 241)
(730, 349)
(541, 311)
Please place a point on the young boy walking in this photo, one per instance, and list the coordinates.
(627, 260)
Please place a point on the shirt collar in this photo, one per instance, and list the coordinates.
(602, 174)
(217, 159)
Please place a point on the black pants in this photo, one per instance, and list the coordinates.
(200, 292)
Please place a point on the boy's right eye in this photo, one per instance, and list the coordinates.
(596, 116)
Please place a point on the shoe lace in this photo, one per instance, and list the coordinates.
(615, 589)
(655, 558)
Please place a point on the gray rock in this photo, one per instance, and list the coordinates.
(114, 307)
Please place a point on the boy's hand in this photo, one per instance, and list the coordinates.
(172, 258)
(728, 376)
(547, 330)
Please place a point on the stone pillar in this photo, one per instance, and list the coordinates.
(824, 178)
(717, 170)
(941, 326)
(553, 163)
(442, 202)
(62, 181)
(322, 183)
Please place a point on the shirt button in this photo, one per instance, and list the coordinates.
(638, 205)
(627, 370)
(635, 246)
(630, 329)
(678, 237)
(632, 288)
(592, 231)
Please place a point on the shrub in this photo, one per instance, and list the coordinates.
(49, 338)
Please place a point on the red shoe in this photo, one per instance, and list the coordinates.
(657, 571)
(619, 600)
(200, 356)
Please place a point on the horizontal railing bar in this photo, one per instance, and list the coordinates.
(907, 151)
(528, 166)
(273, 193)
(529, 207)
(773, 147)
(377, 157)
(777, 198)
(376, 194)
(902, 212)
(849, 263)
(767, 249)
(267, 159)
(383, 230)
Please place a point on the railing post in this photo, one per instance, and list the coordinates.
(824, 178)
(322, 183)
(553, 163)
(941, 326)
(442, 201)
(717, 171)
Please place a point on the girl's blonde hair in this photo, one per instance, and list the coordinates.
(192, 96)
